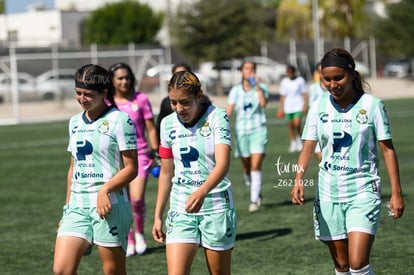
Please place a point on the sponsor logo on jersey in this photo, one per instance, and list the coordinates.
(247, 106)
(341, 140)
(83, 148)
(188, 154)
(340, 168)
(323, 117)
(185, 181)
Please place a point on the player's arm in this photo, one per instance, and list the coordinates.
(304, 160)
(126, 174)
(391, 162)
(262, 98)
(69, 180)
(280, 112)
(152, 133)
(220, 170)
(229, 109)
(164, 189)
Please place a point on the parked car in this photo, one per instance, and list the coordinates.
(151, 80)
(56, 84)
(268, 71)
(26, 86)
(398, 68)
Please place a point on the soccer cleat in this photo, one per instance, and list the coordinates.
(130, 250)
(253, 207)
(140, 244)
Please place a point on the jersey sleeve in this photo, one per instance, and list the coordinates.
(145, 106)
(303, 87)
(232, 98)
(222, 133)
(310, 130)
(265, 90)
(165, 149)
(381, 122)
(125, 133)
(282, 88)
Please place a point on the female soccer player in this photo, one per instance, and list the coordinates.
(102, 143)
(195, 156)
(248, 100)
(138, 107)
(348, 124)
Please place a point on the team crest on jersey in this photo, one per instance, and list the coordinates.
(205, 130)
(134, 107)
(362, 117)
(104, 128)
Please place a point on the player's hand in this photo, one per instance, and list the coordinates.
(103, 205)
(155, 157)
(397, 206)
(280, 114)
(194, 202)
(157, 232)
(298, 194)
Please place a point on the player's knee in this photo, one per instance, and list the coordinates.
(342, 266)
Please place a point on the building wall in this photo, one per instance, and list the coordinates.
(41, 28)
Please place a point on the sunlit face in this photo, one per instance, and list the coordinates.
(338, 82)
(185, 104)
(247, 70)
(121, 81)
(90, 100)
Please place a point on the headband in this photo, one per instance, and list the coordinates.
(93, 87)
(336, 61)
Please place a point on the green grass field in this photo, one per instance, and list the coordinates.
(276, 240)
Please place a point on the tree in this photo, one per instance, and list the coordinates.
(395, 31)
(343, 18)
(218, 30)
(121, 23)
(2, 7)
(294, 20)
(339, 19)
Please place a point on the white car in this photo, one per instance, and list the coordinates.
(268, 71)
(56, 84)
(26, 86)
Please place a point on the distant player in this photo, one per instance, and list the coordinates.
(293, 105)
(248, 101)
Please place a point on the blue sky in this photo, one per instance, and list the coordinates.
(18, 6)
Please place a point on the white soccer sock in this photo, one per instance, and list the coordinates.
(255, 186)
(366, 270)
(342, 273)
(299, 144)
(247, 179)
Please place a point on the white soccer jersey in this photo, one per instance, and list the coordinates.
(250, 117)
(293, 90)
(349, 166)
(95, 147)
(193, 151)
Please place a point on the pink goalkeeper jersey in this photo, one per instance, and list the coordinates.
(139, 109)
